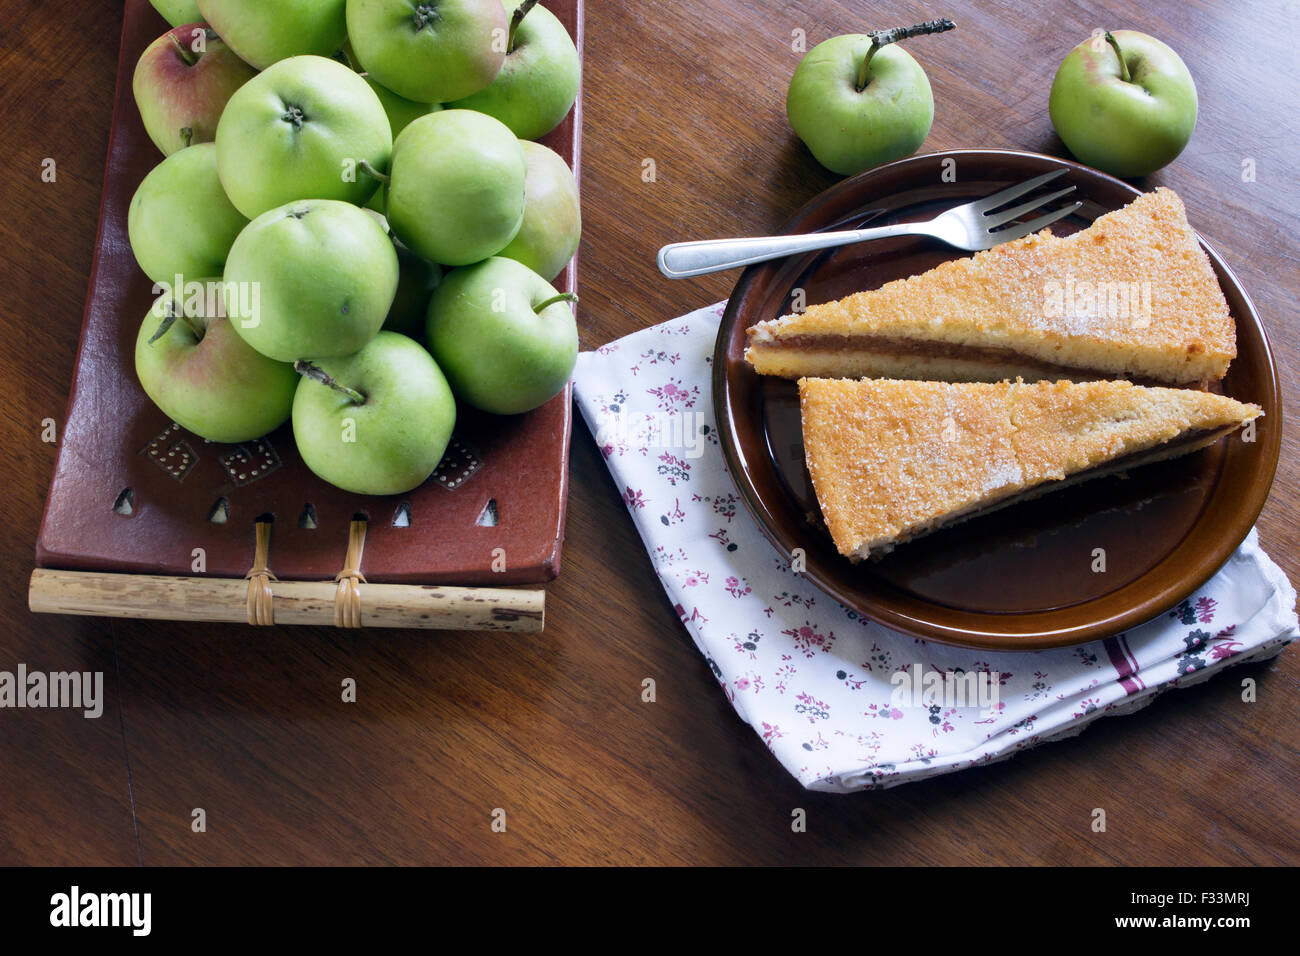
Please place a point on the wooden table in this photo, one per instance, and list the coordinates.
(248, 724)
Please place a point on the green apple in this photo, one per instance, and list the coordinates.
(552, 224)
(377, 422)
(539, 80)
(178, 12)
(430, 51)
(506, 340)
(400, 111)
(182, 83)
(266, 31)
(180, 221)
(305, 128)
(858, 101)
(456, 190)
(195, 367)
(315, 279)
(1124, 103)
(416, 280)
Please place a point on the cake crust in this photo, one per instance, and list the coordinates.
(1131, 296)
(891, 459)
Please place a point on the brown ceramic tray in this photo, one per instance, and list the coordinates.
(502, 485)
(1019, 578)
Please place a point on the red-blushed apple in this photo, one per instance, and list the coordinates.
(505, 339)
(325, 274)
(177, 12)
(266, 31)
(195, 368)
(376, 422)
(429, 51)
(180, 222)
(182, 83)
(552, 224)
(1124, 103)
(539, 80)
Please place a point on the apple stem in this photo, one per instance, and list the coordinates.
(373, 173)
(1124, 74)
(561, 297)
(184, 52)
(880, 38)
(318, 374)
(187, 135)
(170, 319)
(517, 18)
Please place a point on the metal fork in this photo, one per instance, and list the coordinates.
(971, 226)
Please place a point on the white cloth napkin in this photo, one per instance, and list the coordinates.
(815, 680)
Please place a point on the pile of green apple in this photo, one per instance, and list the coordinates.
(351, 226)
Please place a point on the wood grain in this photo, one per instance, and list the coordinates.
(249, 724)
(166, 598)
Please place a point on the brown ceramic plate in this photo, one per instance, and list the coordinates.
(492, 514)
(1020, 578)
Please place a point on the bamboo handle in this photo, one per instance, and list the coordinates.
(166, 598)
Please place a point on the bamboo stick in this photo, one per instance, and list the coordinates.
(167, 598)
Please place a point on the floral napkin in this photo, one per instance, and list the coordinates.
(846, 704)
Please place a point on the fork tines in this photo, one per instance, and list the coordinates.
(995, 217)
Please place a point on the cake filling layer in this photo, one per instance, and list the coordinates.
(914, 348)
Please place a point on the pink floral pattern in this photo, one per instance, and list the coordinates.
(673, 469)
(673, 395)
(809, 639)
(655, 357)
(812, 676)
(722, 505)
(675, 516)
(811, 707)
(737, 587)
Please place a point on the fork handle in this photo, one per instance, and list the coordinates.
(682, 259)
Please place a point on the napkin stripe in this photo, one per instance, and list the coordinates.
(1121, 658)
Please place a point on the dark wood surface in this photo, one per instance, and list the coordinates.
(248, 723)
